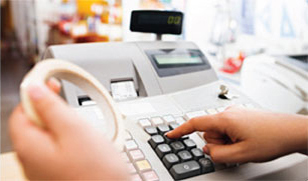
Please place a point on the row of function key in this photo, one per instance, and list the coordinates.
(181, 157)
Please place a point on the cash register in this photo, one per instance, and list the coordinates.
(159, 85)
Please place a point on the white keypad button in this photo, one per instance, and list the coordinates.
(136, 177)
(169, 119)
(135, 155)
(150, 176)
(180, 120)
(124, 157)
(212, 111)
(131, 168)
(221, 109)
(250, 106)
(130, 145)
(127, 136)
(157, 121)
(144, 122)
(193, 114)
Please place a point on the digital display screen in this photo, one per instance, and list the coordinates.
(159, 22)
(172, 59)
(170, 62)
(162, 19)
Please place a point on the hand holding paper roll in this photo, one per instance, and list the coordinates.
(66, 146)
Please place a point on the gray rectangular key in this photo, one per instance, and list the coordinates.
(185, 170)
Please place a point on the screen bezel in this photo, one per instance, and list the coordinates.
(156, 28)
(177, 69)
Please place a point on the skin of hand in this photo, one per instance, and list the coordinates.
(68, 148)
(240, 135)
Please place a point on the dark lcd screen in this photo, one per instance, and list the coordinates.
(160, 22)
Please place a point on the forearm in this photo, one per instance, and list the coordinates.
(298, 133)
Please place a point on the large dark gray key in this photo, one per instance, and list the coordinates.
(185, 155)
(206, 165)
(156, 140)
(163, 128)
(168, 140)
(174, 125)
(162, 149)
(185, 170)
(177, 146)
(189, 144)
(197, 153)
(170, 159)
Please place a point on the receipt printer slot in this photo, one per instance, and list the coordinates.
(123, 90)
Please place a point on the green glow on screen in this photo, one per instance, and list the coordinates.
(178, 59)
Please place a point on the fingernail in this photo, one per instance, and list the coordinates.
(37, 91)
(206, 150)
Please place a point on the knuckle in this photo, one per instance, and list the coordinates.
(225, 116)
(192, 122)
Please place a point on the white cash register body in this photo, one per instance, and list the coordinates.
(159, 83)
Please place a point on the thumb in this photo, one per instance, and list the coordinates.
(57, 116)
(231, 153)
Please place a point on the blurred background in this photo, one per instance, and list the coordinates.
(227, 30)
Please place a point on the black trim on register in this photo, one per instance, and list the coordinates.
(173, 69)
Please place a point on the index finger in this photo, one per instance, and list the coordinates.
(202, 123)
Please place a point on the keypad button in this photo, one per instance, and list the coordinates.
(135, 155)
(173, 126)
(168, 140)
(163, 128)
(185, 156)
(197, 153)
(249, 105)
(170, 159)
(221, 109)
(193, 114)
(184, 137)
(212, 111)
(151, 130)
(169, 119)
(206, 165)
(177, 146)
(130, 145)
(131, 168)
(124, 157)
(162, 149)
(180, 120)
(157, 121)
(189, 144)
(143, 165)
(144, 122)
(127, 136)
(136, 177)
(185, 170)
(150, 176)
(156, 140)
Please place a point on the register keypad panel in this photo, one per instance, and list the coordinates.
(181, 157)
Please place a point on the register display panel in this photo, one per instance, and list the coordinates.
(169, 62)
